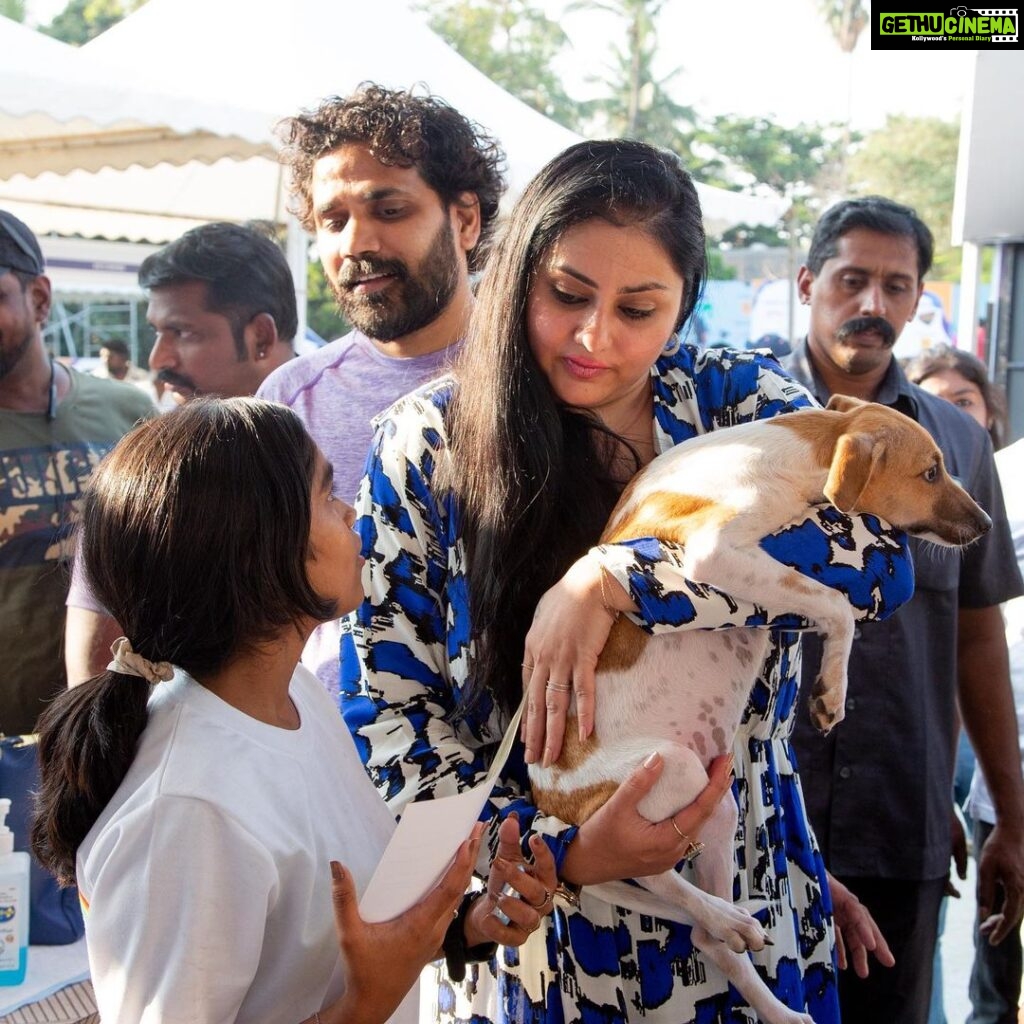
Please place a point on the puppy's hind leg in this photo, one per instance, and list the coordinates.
(743, 976)
(708, 907)
(720, 920)
(714, 873)
(721, 930)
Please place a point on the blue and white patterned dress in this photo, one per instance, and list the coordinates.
(405, 658)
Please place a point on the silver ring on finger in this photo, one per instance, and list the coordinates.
(558, 687)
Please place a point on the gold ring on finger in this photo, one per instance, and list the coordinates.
(558, 687)
(693, 850)
(544, 899)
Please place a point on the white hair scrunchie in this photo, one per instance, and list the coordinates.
(128, 663)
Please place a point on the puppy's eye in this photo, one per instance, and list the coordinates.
(931, 474)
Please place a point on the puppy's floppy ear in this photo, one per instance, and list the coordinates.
(853, 461)
(844, 403)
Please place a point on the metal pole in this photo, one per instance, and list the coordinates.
(296, 248)
(967, 316)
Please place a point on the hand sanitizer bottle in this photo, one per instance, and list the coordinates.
(14, 889)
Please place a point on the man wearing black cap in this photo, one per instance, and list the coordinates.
(55, 425)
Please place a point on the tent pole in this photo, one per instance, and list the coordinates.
(296, 247)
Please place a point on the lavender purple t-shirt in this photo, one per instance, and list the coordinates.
(336, 392)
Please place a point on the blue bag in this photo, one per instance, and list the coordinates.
(55, 916)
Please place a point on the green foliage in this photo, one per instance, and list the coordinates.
(718, 269)
(913, 160)
(13, 9)
(800, 164)
(637, 104)
(846, 20)
(322, 313)
(511, 42)
(83, 20)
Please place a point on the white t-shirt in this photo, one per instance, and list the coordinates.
(1008, 462)
(207, 877)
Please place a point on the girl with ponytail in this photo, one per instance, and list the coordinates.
(198, 789)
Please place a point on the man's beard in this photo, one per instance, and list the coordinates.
(411, 301)
(9, 358)
(864, 324)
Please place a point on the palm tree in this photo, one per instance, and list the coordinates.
(846, 20)
(638, 104)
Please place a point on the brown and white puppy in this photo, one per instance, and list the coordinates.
(684, 693)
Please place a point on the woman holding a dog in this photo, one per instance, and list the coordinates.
(484, 496)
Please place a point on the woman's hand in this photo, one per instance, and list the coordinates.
(532, 886)
(404, 945)
(857, 934)
(569, 631)
(618, 842)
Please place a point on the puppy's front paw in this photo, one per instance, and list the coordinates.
(735, 928)
(826, 706)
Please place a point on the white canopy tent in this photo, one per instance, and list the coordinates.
(81, 154)
(61, 110)
(278, 60)
(106, 142)
(77, 148)
(154, 204)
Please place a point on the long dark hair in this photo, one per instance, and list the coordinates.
(195, 532)
(942, 357)
(533, 478)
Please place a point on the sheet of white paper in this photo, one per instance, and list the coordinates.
(420, 851)
(426, 841)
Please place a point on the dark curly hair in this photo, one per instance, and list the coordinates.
(452, 154)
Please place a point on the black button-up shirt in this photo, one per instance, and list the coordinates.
(878, 788)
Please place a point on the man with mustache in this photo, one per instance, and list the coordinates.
(55, 426)
(401, 191)
(878, 786)
(222, 305)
